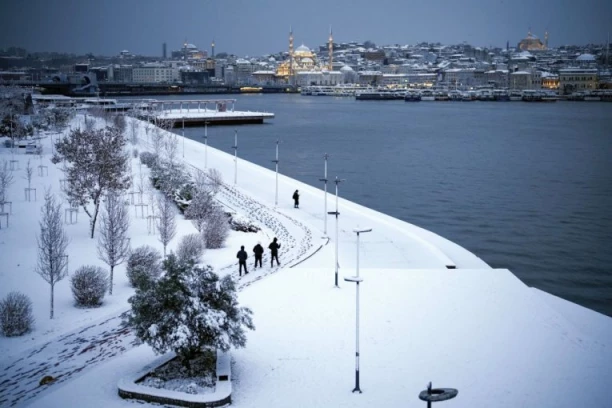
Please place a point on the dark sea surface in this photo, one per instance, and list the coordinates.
(524, 186)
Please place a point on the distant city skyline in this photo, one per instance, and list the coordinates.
(248, 28)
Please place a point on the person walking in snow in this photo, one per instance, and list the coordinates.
(296, 199)
(242, 257)
(258, 251)
(274, 247)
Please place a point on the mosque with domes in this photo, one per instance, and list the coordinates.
(533, 43)
(304, 68)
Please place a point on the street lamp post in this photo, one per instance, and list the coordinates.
(336, 213)
(276, 163)
(235, 147)
(324, 179)
(183, 137)
(205, 145)
(357, 280)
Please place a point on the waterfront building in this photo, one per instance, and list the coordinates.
(577, 79)
(155, 73)
(525, 80)
(306, 78)
(465, 77)
(550, 81)
(264, 77)
(369, 77)
(498, 78)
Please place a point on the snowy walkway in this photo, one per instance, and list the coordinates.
(301, 235)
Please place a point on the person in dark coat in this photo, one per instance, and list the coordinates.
(242, 257)
(274, 247)
(258, 250)
(296, 199)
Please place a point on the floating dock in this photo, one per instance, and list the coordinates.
(201, 112)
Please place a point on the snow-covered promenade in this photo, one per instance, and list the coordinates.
(474, 328)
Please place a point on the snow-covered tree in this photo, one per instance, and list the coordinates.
(143, 266)
(190, 309)
(113, 241)
(190, 248)
(134, 131)
(119, 123)
(6, 179)
(200, 208)
(15, 314)
(52, 244)
(215, 180)
(97, 164)
(166, 225)
(216, 228)
(89, 285)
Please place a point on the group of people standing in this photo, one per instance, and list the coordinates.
(258, 251)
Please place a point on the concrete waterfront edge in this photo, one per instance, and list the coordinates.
(129, 389)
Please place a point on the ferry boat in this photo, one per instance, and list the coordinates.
(485, 95)
(515, 96)
(379, 95)
(500, 95)
(441, 96)
(251, 89)
(468, 96)
(455, 96)
(427, 95)
(412, 97)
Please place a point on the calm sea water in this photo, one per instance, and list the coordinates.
(526, 187)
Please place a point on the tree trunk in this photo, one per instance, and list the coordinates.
(92, 222)
(51, 301)
(110, 290)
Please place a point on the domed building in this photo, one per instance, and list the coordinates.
(533, 43)
(302, 59)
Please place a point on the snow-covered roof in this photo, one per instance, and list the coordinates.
(346, 68)
(586, 57)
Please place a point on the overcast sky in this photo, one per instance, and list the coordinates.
(256, 27)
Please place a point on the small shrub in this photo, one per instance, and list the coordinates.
(190, 248)
(143, 266)
(148, 159)
(15, 314)
(216, 229)
(8, 143)
(135, 153)
(243, 225)
(89, 284)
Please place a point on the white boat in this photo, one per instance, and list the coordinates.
(516, 96)
(427, 96)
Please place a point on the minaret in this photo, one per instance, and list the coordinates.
(331, 49)
(546, 40)
(213, 48)
(290, 52)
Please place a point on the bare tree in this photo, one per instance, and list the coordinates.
(29, 170)
(171, 147)
(134, 131)
(167, 221)
(6, 179)
(200, 207)
(52, 242)
(113, 241)
(215, 180)
(98, 164)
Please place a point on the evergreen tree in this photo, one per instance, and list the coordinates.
(189, 310)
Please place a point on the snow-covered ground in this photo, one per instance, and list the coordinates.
(474, 328)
